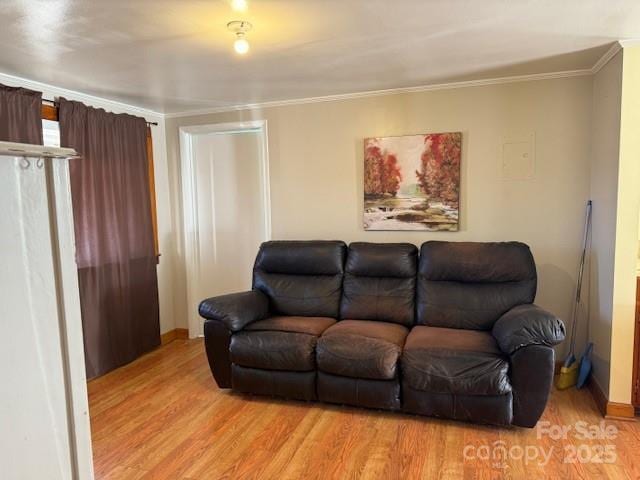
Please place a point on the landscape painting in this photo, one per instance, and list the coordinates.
(412, 182)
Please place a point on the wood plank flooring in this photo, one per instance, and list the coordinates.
(163, 417)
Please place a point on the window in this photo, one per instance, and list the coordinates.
(51, 133)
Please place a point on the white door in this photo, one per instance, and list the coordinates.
(228, 212)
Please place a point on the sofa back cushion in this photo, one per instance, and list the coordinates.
(470, 285)
(380, 282)
(301, 278)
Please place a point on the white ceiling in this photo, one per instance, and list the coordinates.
(176, 55)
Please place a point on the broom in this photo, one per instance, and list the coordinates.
(569, 371)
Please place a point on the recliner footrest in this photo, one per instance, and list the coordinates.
(489, 409)
(362, 392)
(296, 385)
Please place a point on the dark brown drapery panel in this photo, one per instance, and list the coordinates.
(114, 235)
(20, 117)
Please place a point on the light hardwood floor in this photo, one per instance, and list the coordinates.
(163, 417)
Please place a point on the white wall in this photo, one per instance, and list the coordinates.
(316, 158)
(607, 89)
(44, 418)
(165, 233)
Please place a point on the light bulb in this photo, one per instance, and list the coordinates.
(239, 5)
(241, 45)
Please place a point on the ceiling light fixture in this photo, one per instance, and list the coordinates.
(239, 5)
(240, 28)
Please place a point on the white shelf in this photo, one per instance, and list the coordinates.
(12, 149)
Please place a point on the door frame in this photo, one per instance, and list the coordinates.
(190, 230)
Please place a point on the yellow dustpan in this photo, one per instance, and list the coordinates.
(568, 376)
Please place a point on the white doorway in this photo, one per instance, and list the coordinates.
(226, 208)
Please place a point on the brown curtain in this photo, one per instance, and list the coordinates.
(20, 115)
(114, 236)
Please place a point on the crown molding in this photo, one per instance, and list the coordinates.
(615, 48)
(83, 97)
(608, 55)
(378, 93)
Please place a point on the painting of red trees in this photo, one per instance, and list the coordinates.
(412, 182)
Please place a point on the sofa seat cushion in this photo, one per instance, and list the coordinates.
(361, 349)
(454, 361)
(279, 343)
(273, 350)
(309, 325)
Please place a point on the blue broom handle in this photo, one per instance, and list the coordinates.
(587, 228)
(574, 313)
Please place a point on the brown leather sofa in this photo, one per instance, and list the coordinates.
(451, 333)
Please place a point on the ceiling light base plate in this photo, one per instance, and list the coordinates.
(239, 26)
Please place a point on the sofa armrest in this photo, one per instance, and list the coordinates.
(236, 310)
(527, 325)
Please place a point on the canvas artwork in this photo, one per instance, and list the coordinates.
(412, 182)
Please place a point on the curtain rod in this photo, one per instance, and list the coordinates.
(56, 103)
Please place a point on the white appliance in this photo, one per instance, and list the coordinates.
(44, 418)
